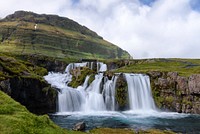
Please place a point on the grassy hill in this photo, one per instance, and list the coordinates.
(53, 36)
(185, 67)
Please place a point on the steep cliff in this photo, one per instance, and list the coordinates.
(23, 81)
(176, 93)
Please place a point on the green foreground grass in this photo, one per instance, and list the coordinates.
(16, 119)
(128, 131)
(185, 67)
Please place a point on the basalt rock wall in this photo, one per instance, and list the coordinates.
(36, 95)
(176, 93)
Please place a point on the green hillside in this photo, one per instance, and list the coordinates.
(53, 36)
(185, 67)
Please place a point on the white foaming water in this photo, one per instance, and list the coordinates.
(101, 67)
(140, 97)
(100, 94)
(83, 98)
(109, 93)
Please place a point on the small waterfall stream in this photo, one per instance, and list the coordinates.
(100, 94)
(139, 91)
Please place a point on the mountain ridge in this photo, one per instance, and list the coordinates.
(54, 36)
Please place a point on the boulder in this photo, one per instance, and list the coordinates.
(80, 126)
(5, 86)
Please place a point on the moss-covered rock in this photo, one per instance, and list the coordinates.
(79, 74)
(121, 93)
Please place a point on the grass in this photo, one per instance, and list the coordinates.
(185, 67)
(16, 119)
(53, 41)
(128, 131)
(15, 67)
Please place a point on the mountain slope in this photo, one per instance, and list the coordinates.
(54, 36)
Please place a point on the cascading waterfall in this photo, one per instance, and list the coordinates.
(109, 93)
(100, 94)
(139, 91)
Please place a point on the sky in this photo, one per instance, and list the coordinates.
(144, 28)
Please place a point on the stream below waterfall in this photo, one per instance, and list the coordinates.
(96, 105)
(184, 123)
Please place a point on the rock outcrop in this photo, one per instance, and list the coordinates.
(121, 93)
(80, 126)
(36, 95)
(24, 82)
(176, 93)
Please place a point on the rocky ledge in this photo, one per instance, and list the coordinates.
(36, 95)
(176, 93)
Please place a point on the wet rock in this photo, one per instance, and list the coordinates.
(194, 84)
(80, 126)
(178, 107)
(121, 93)
(109, 74)
(5, 86)
(196, 107)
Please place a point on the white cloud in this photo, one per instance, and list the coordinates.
(166, 29)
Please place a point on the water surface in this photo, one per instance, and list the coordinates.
(184, 123)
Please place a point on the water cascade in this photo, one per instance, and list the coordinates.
(139, 91)
(100, 94)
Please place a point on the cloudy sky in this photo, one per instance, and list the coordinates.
(145, 28)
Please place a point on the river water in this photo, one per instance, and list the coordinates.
(184, 123)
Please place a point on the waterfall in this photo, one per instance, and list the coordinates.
(140, 97)
(109, 93)
(100, 94)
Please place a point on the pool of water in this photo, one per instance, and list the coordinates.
(184, 123)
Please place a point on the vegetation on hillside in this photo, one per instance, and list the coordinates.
(185, 67)
(53, 36)
(12, 67)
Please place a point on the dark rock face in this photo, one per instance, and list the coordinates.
(35, 94)
(176, 93)
(49, 64)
